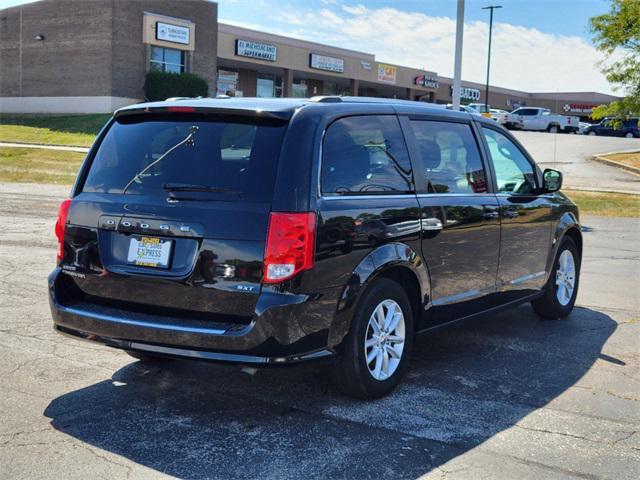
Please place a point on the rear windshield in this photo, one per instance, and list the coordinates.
(234, 158)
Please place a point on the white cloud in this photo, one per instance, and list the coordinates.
(354, 9)
(522, 58)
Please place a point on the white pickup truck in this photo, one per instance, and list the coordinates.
(534, 118)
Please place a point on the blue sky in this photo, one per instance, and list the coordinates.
(568, 17)
(539, 45)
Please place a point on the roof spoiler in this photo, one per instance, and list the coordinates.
(222, 110)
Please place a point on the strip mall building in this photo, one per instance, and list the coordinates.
(70, 56)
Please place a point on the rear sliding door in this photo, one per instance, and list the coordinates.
(460, 222)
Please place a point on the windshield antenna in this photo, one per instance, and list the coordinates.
(189, 141)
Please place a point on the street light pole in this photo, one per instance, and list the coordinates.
(491, 8)
(457, 64)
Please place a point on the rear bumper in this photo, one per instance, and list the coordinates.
(279, 335)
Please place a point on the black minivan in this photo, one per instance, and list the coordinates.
(276, 231)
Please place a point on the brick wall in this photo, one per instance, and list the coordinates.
(73, 59)
(130, 55)
(93, 47)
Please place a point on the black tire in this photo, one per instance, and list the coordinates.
(548, 306)
(351, 373)
(147, 357)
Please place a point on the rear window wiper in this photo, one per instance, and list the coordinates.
(189, 141)
(187, 187)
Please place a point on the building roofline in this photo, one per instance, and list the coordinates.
(574, 93)
(234, 29)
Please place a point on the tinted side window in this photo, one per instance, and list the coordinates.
(450, 156)
(365, 154)
(514, 173)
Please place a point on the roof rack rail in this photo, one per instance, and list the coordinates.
(326, 99)
(352, 99)
(177, 99)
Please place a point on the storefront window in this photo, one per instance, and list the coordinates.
(299, 90)
(265, 87)
(329, 88)
(227, 83)
(167, 60)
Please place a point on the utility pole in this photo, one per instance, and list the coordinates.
(457, 66)
(491, 8)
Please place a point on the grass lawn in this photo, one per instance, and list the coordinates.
(37, 165)
(631, 159)
(606, 204)
(77, 130)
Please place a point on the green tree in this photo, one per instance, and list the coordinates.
(619, 31)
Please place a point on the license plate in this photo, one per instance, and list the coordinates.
(149, 252)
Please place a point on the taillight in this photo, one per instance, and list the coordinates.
(290, 245)
(181, 109)
(61, 223)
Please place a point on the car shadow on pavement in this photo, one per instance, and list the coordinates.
(465, 385)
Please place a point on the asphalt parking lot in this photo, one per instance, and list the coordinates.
(508, 397)
(572, 155)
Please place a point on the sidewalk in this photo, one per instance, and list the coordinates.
(46, 147)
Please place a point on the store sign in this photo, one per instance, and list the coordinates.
(261, 51)
(365, 65)
(387, 73)
(322, 62)
(426, 81)
(467, 93)
(579, 107)
(172, 33)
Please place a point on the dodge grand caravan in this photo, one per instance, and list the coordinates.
(269, 232)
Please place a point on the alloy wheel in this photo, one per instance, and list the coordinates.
(384, 339)
(565, 277)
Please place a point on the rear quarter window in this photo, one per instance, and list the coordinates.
(238, 155)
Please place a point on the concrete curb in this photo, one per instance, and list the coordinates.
(601, 159)
(566, 188)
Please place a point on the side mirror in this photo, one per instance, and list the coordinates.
(552, 180)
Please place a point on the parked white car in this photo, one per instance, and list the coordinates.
(506, 119)
(541, 119)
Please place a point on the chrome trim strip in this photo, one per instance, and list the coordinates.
(525, 195)
(525, 278)
(368, 197)
(227, 357)
(468, 295)
(456, 297)
(182, 352)
(472, 195)
(197, 353)
(137, 323)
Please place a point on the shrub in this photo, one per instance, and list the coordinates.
(163, 85)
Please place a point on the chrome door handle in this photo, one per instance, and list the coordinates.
(430, 224)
